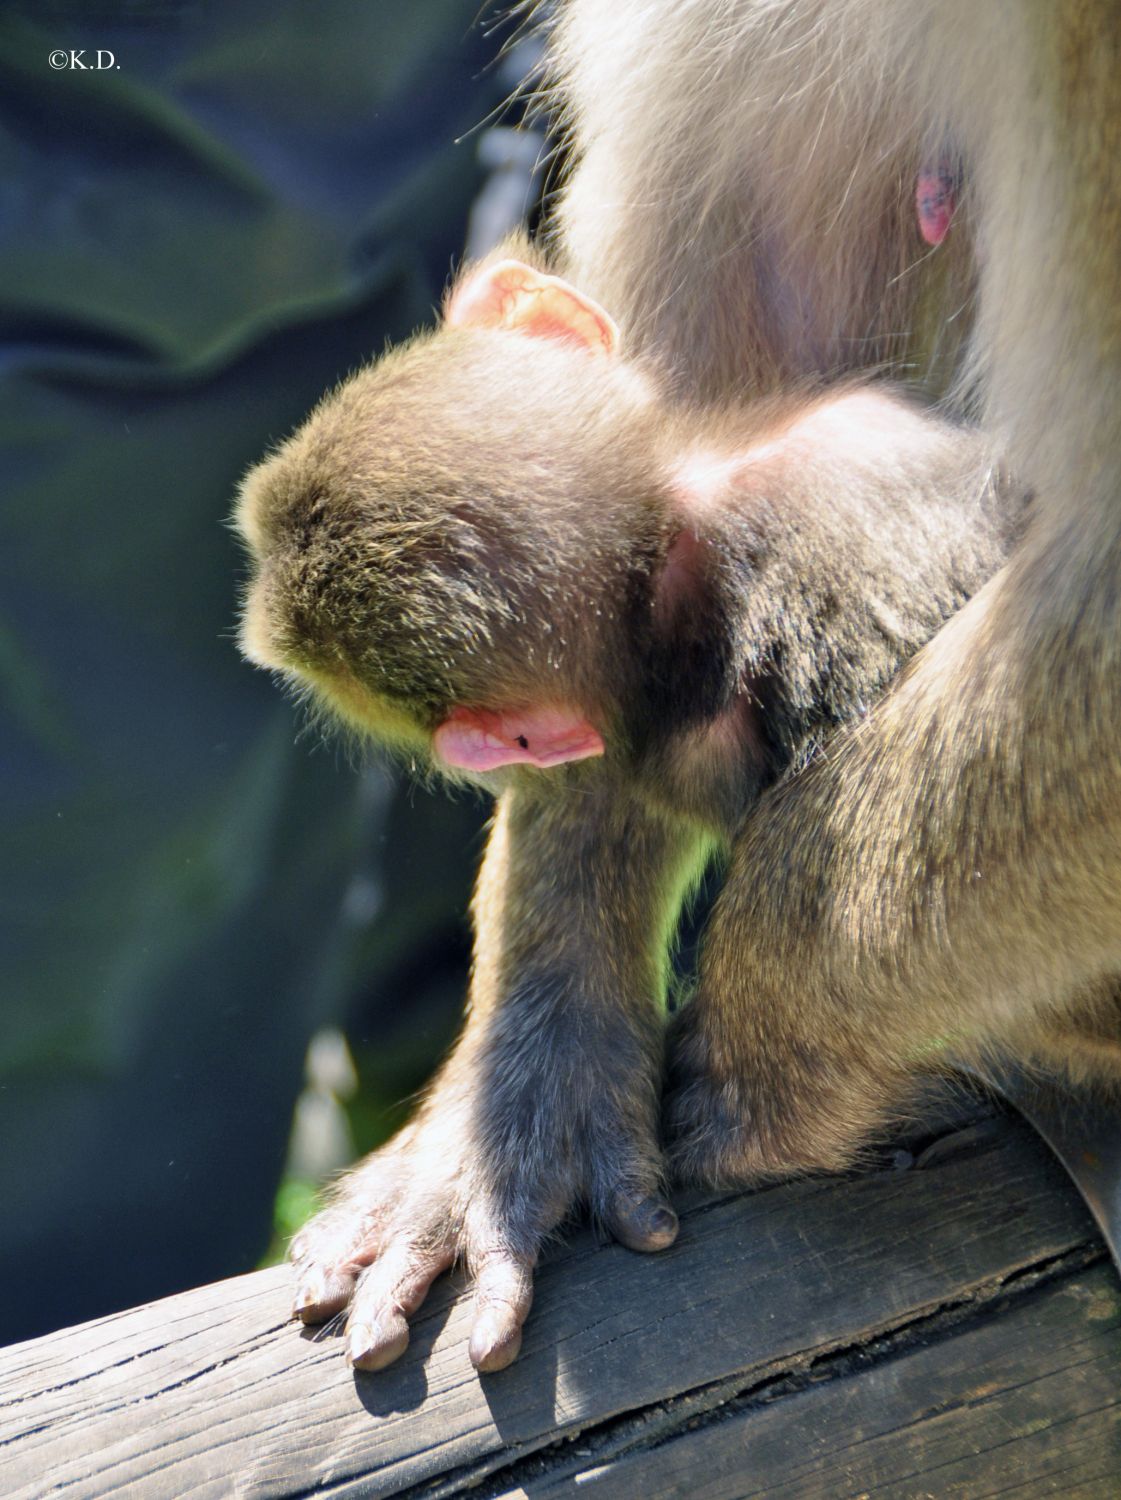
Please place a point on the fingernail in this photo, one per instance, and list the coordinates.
(372, 1347)
(494, 1344)
(308, 1294)
(358, 1341)
(662, 1224)
(649, 1224)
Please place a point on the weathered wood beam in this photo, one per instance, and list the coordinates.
(833, 1336)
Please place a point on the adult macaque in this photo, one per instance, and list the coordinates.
(500, 551)
(754, 187)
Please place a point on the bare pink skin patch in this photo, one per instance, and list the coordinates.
(482, 739)
(935, 201)
(854, 430)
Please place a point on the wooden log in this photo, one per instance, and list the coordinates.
(1024, 1401)
(885, 1334)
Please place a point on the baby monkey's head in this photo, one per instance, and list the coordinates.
(448, 551)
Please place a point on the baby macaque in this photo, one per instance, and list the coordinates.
(500, 553)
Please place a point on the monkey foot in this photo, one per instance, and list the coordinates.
(710, 1139)
(718, 1139)
(781, 1115)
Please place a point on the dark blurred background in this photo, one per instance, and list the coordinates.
(226, 209)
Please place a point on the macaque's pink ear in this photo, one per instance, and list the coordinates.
(511, 295)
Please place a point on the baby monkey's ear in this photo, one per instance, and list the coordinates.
(510, 294)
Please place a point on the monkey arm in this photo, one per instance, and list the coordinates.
(549, 1099)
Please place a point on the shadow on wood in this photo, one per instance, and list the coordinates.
(947, 1326)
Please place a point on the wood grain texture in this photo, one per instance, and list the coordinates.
(1025, 1402)
(215, 1393)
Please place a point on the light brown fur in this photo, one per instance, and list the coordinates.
(742, 198)
(487, 520)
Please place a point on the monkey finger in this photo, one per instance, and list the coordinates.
(335, 1238)
(503, 1297)
(627, 1195)
(377, 1330)
(329, 1254)
(322, 1291)
(640, 1221)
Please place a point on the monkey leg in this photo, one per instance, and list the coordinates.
(1082, 1058)
(550, 1099)
(1079, 1044)
(942, 880)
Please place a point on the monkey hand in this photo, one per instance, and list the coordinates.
(454, 1185)
(549, 1101)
